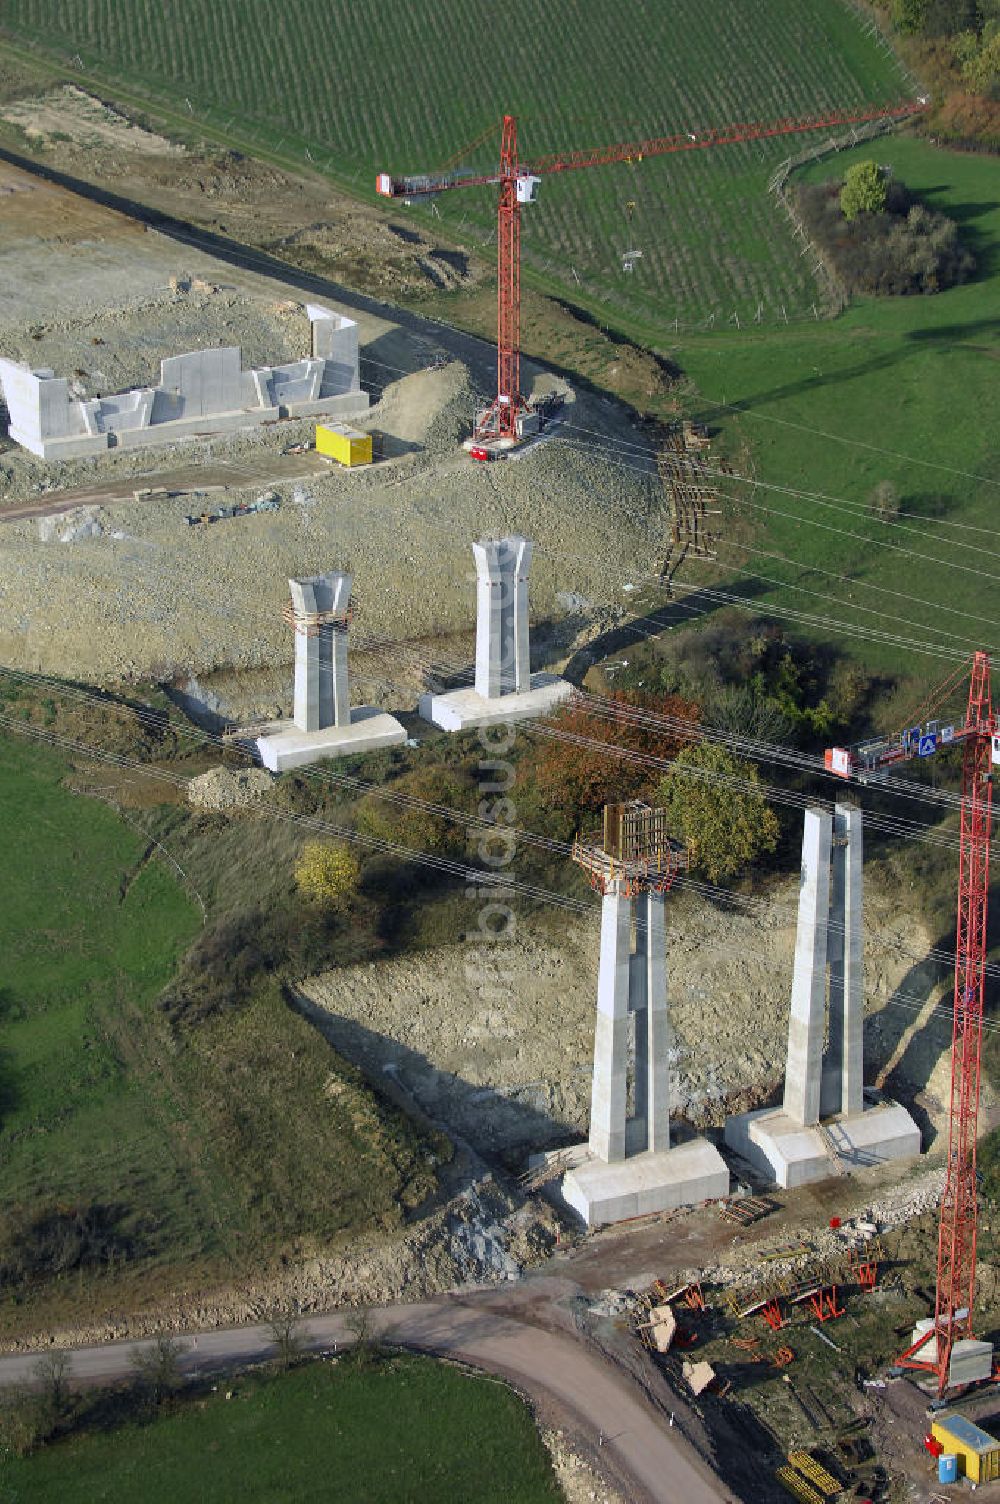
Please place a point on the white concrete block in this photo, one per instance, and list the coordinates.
(462, 709)
(283, 746)
(201, 391)
(653, 1182)
(792, 1154)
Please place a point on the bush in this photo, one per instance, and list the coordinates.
(22, 1426)
(327, 872)
(906, 249)
(55, 1240)
(415, 824)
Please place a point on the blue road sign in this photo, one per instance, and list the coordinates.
(927, 745)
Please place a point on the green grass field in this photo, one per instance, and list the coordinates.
(140, 1152)
(898, 389)
(406, 87)
(90, 934)
(407, 1428)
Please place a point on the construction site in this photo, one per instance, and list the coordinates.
(322, 564)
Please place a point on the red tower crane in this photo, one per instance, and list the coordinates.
(518, 183)
(956, 1268)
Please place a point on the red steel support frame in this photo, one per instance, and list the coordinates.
(500, 419)
(956, 1274)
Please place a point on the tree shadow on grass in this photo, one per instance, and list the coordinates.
(10, 1094)
(955, 334)
(694, 605)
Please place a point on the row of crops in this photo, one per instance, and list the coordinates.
(402, 86)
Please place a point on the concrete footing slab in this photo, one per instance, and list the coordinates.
(792, 1154)
(282, 745)
(658, 1181)
(462, 709)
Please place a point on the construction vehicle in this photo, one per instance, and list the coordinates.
(509, 417)
(979, 737)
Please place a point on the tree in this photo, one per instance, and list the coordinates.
(286, 1334)
(909, 16)
(981, 60)
(725, 827)
(363, 1352)
(884, 501)
(52, 1373)
(864, 190)
(579, 778)
(157, 1368)
(327, 872)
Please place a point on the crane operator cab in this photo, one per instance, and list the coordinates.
(526, 185)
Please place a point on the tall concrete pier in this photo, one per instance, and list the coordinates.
(807, 1016)
(829, 935)
(320, 607)
(323, 724)
(631, 982)
(503, 659)
(504, 689)
(842, 1085)
(628, 1168)
(824, 1126)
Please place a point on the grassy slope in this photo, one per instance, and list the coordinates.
(917, 376)
(103, 1105)
(422, 81)
(76, 1122)
(409, 1428)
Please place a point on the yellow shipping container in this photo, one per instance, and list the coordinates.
(346, 445)
(977, 1451)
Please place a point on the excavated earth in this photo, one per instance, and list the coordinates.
(496, 1042)
(125, 588)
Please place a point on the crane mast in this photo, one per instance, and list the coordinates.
(956, 1264)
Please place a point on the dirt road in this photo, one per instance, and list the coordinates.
(638, 1443)
(219, 475)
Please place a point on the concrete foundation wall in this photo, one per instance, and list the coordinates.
(203, 391)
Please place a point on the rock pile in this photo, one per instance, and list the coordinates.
(222, 788)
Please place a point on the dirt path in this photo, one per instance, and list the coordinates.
(548, 1366)
(217, 476)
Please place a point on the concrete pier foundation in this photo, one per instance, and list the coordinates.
(323, 723)
(824, 1126)
(629, 1168)
(505, 688)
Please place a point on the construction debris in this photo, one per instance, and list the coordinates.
(819, 1476)
(662, 1328)
(268, 503)
(743, 1211)
(698, 1376)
